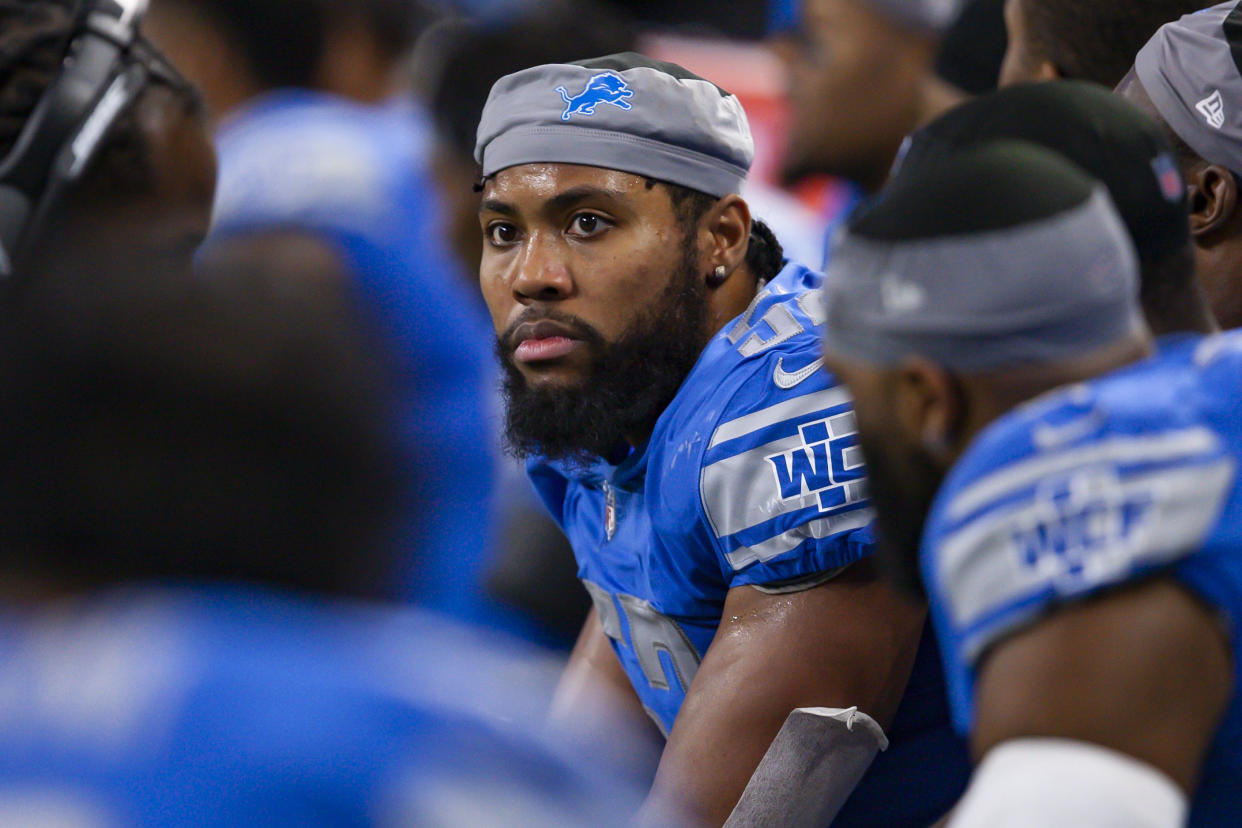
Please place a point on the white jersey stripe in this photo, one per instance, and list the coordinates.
(1115, 450)
(981, 567)
(788, 410)
(780, 544)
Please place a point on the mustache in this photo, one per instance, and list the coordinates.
(507, 341)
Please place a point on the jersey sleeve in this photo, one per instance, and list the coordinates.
(782, 487)
(311, 169)
(1019, 529)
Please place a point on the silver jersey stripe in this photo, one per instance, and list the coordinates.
(980, 567)
(779, 545)
(741, 491)
(779, 413)
(1185, 443)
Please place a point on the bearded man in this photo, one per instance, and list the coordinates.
(665, 382)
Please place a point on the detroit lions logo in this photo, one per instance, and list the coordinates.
(827, 464)
(1082, 527)
(603, 88)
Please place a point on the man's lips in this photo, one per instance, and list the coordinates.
(542, 350)
(543, 341)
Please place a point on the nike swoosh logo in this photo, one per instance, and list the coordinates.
(785, 379)
(1047, 436)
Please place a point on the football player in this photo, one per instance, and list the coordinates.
(1112, 140)
(194, 476)
(663, 375)
(860, 80)
(335, 196)
(1186, 77)
(1079, 547)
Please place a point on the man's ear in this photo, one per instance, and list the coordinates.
(1213, 199)
(728, 231)
(930, 404)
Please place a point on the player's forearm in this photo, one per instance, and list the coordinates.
(596, 707)
(846, 643)
(704, 769)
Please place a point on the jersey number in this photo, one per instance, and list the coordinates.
(650, 634)
(782, 325)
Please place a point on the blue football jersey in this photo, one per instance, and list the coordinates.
(355, 177)
(153, 706)
(1090, 487)
(751, 477)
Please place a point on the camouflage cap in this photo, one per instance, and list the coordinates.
(1190, 71)
(623, 112)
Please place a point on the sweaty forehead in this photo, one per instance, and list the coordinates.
(530, 185)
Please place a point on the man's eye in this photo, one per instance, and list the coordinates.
(587, 224)
(501, 234)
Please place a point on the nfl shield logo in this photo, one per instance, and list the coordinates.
(610, 511)
(1167, 176)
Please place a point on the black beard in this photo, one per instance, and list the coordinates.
(902, 497)
(628, 384)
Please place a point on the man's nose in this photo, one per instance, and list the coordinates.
(543, 273)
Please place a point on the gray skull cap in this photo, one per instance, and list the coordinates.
(1004, 254)
(1189, 71)
(622, 112)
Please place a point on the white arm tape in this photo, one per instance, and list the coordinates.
(1035, 783)
(810, 769)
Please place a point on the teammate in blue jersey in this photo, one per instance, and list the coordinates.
(664, 377)
(322, 186)
(1079, 546)
(245, 706)
(185, 643)
(195, 483)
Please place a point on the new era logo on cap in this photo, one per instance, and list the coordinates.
(1212, 108)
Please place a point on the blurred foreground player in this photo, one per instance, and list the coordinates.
(1081, 547)
(1188, 76)
(194, 486)
(193, 478)
(663, 376)
(334, 195)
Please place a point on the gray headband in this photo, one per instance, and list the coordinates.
(1038, 292)
(1189, 72)
(930, 15)
(666, 125)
